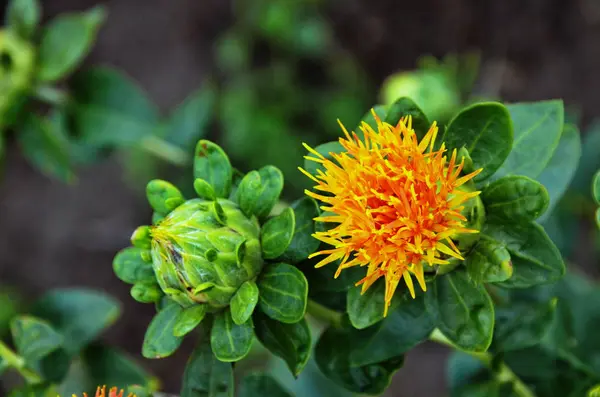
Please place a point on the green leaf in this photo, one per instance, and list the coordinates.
(80, 315)
(272, 184)
(485, 129)
(596, 187)
(146, 291)
(325, 150)
(34, 338)
(283, 293)
(229, 341)
(212, 164)
(66, 41)
(277, 233)
(407, 107)
(407, 325)
(39, 390)
(303, 243)
(535, 258)
(23, 16)
(559, 172)
(205, 376)
(259, 385)
(189, 319)
(190, 120)
(107, 365)
(367, 309)
(291, 342)
(515, 198)
(44, 149)
(537, 130)
(248, 192)
(163, 196)
(160, 340)
(130, 268)
(489, 262)
(204, 189)
(463, 311)
(332, 354)
(522, 325)
(110, 109)
(243, 302)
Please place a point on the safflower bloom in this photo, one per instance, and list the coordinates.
(396, 201)
(113, 392)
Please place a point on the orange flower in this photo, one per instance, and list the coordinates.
(396, 202)
(113, 392)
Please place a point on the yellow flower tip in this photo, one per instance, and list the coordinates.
(396, 203)
(113, 392)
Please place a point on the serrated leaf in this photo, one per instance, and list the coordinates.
(535, 258)
(537, 130)
(561, 168)
(515, 199)
(403, 107)
(205, 376)
(44, 149)
(277, 233)
(229, 341)
(303, 243)
(485, 129)
(259, 385)
(23, 16)
(130, 268)
(160, 340)
(243, 302)
(80, 315)
(462, 311)
(34, 338)
(291, 342)
(332, 354)
(212, 164)
(283, 293)
(66, 41)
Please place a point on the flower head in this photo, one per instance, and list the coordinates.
(396, 203)
(113, 392)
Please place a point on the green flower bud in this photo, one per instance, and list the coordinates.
(474, 211)
(204, 250)
(16, 72)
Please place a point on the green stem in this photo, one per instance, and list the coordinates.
(164, 150)
(16, 362)
(51, 95)
(324, 314)
(502, 372)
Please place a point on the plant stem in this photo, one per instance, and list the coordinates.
(164, 150)
(324, 314)
(16, 362)
(502, 372)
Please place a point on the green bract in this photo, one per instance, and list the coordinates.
(220, 258)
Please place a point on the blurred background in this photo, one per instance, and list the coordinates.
(277, 73)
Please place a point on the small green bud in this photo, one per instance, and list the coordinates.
(489, 262)
(141, 237)
(146, 292)
(204, 189)
(474, 211)
(204, 250)
(163, 196)
(16, 73)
